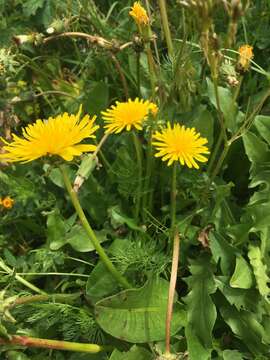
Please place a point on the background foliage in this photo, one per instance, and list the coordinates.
(222, 308)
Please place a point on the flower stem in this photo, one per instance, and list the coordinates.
(103, 256)
(173, 199)
(146, 201)
(138, 148)
(53, 344)
(175, 259)
(166, 28)
(20, 279)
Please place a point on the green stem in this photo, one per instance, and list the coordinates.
(173, 199)
(166, 28)
(138, 148)
(53, 274)
(214, 153)
(149, 161)
(103, 256)
(138, 56)
(53, 344)
(20, 279)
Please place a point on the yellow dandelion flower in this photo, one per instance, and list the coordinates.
(56, 136)
(245, 56)
(7, 202)
(127, 115)
(139, 14)
(181, 144)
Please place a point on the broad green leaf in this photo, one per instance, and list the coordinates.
(222, 251)
(246, 326)
(195, 347)
(260, 270)
(227, 104)
(201, 310)
(232, 355)
(256, 149)
(100, 282)
(16, 355)
(204, 123)
(135, 353)
(138, 315)
(242, 276)
(262, 123)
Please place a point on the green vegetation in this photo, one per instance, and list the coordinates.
(106, 252)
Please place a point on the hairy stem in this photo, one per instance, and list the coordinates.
(173, 199)
(26, 283)
(63, 298)
(53, 344)
(166, 27)
(99, 249)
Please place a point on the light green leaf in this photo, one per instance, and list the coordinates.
(256, 149)
(138, 315)
(242, 276)
(201, 309)
(195, 347)
(135, 353)
(232, 355)
(262, 123)
(227, 104)
(260, 270)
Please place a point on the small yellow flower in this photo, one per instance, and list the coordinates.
(245, 56)
(56, 136)
(139, 14)
(7, 202)
(153, 109)
(127, 115)
(181, 144)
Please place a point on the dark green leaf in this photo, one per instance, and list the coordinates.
(135, 353)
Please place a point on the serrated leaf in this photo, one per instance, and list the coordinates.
(242, 276)
(138, 315)
(260, 270)
(246, 326)
(201, 314)
(222, 251)
(30, 7)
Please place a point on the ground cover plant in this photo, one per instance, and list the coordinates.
(134, 173)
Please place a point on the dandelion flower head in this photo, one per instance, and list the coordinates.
(125, 115)
(7, 202)
(139, 14)
(245, 56)
(177, 143)
(56, 136)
